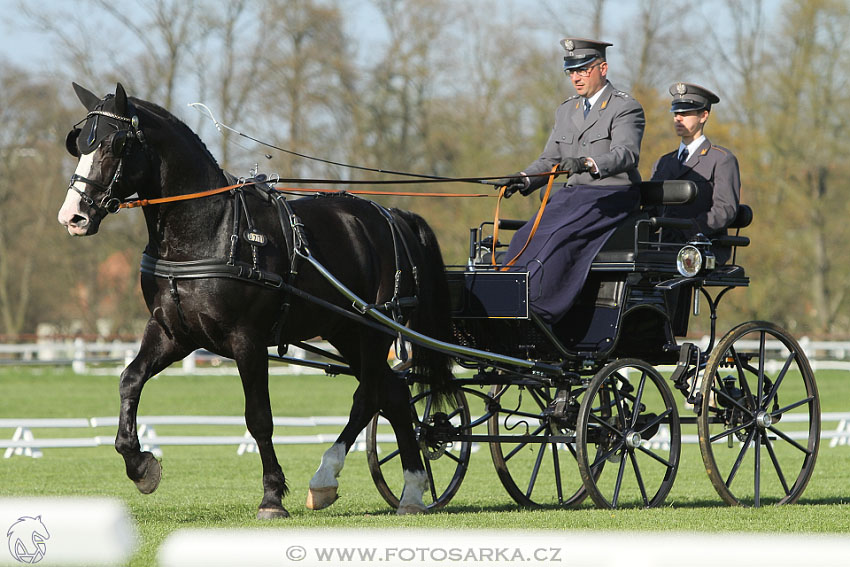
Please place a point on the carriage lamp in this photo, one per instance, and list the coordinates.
(689, 261)
(693, 258)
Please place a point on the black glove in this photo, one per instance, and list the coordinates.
(574, 165)
(512, 184)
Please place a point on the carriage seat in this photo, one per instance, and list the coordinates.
(620, 247)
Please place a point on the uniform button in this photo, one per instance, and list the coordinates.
(563, 137)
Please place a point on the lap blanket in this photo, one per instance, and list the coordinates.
(577, 222)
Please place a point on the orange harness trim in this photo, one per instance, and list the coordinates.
(209, 193)
(539, 216)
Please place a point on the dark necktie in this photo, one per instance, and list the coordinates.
(683, 157)
(586, 107)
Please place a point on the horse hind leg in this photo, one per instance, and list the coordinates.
(324, 486)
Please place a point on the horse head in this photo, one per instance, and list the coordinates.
(111, 148)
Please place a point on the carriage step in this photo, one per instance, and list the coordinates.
(680, 374)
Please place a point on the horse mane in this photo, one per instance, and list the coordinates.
(177, 123)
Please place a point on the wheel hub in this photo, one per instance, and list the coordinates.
(764, 420)
(434, 436)
(633, 439)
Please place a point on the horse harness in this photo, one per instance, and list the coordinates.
(292, 228)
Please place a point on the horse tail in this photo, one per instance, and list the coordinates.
(432, 315)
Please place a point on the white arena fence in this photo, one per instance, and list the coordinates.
(24, 442)
(95, 357)
(105, 356)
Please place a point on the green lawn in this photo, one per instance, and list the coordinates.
(213, 487)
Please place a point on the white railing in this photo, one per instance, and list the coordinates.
(24, 442)
(111, 357)
(81, 355)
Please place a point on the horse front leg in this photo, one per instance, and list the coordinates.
(254, 371)
(156, 353)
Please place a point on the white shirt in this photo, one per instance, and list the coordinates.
(692, 147)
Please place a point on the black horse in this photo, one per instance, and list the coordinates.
(225, 272)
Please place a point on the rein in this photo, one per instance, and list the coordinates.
(263, 180)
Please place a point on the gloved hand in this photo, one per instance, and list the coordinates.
(512, 184)
(574, 165)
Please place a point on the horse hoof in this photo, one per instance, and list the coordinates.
(151, 477)
(272, 513)
(321, 498)
(411, 509)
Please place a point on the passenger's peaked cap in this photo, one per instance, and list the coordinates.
(580, 51)
(688, 97)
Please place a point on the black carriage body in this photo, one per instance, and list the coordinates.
(633, 304)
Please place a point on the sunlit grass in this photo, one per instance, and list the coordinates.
(214, 487)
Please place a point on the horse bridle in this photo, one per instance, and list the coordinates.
(120, 142)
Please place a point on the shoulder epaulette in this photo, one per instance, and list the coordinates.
(621, 94)
(720, 149)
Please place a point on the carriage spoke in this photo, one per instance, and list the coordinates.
(733, 400)
(740, 458)
(618, 400)
(431, 484)
(619, 484)
(389, 457)
(776, 466)
(452, 456)
(728, 432)
(791, 406)
(605, 424)
(757, 469)
(636, 401)
(789, 440)
(666, 463)
(656, 421)
(779, 379)
(762, 356)
(639, 478)
(601, 459)
(556, 463)
(533, 480)
(523, 444)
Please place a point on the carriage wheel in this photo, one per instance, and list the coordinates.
(759, 422)
(445, 461)
(534, 453)
(628, 436)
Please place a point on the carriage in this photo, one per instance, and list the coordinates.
(594, 415)
(581, 408)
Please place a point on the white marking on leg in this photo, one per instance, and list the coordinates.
(415, 485)
(70, 214)
(332, 463)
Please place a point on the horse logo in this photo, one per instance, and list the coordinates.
(26, 539)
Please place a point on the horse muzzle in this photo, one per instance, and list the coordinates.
(77, 221)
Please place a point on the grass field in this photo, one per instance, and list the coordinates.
(213, 487)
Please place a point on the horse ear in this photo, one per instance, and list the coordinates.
(88, 98)
(120, 100)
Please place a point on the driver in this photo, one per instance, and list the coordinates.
(597, 136)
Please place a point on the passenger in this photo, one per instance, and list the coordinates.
(714, 169)
(597, 136)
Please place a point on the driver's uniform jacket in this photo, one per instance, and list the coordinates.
(610, 135)
(584, 211)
